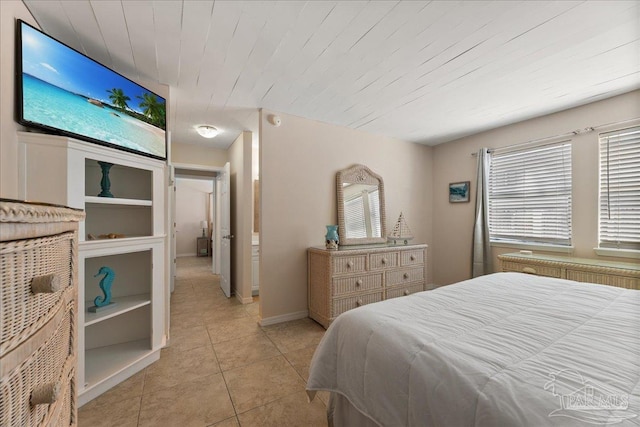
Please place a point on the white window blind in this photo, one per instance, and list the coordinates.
(620, 189)
(374, 206)
(530, 195)
(355, 225)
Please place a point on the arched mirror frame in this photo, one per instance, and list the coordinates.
(360, 174)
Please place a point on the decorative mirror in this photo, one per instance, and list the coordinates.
(361, 213)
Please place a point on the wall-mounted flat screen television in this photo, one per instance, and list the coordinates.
(61, 91)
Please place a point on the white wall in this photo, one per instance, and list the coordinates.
(241, 215)
(453, 223)
(198, 155)
(298, 165)
(192, 197)
(9, 11)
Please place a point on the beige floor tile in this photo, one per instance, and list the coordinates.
(301, 360)
(253, 309)
(175, 367)
(243, 351)
(201, 402)
(128, 389)
(182, 339)
(324, 396)
(186, 320)
(123, 413)
(232, 329)
(295, 335)
(229, 422)
(224, 312)
(292, 411)
(262, 382)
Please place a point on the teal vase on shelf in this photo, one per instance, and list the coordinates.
(331, 237)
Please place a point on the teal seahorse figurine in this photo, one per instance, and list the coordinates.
(105, 285)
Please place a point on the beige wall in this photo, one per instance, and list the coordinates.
(453, 223)
(198, 155)
(298, 165)
(241, 216)
(9, 11)
(192, 200)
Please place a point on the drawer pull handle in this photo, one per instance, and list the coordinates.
(358, 283)
(405, 275)
(349, 264)
(406, 292)
(529, 270)
(383, 260)
(412, 257)
(46, 284)
(359, 302)
(46, 394)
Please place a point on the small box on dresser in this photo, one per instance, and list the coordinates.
(343, 279)
(38, 295)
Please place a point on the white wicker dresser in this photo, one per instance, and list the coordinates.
(38, 289)
(343, 279)
(620, 274)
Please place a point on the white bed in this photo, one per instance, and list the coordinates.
(507, 349)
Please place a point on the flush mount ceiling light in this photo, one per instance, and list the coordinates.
(207, 131)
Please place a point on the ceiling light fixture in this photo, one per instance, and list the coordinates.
(207, 131)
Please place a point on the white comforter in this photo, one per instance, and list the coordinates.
(507, 349)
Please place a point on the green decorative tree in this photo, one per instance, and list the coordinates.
(118, 98)
(153, 109)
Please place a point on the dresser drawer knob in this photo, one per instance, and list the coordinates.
(349, 264)
(383, 260)
(405, 275)
(529, 270)
(359, 303)
(46, 394)
(406, 292)
(358, 283)
(46, 284)
(412, 257)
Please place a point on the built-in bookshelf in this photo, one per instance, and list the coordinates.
(125, 233)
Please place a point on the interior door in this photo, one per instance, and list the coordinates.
(172, 231)
(225, 230)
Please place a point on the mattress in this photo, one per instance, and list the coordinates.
(507, 349)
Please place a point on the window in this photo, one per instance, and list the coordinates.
(363, 214)
(620, 189)
(530, 195)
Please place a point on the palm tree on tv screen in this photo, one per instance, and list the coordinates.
(118, 98)
(153, 109)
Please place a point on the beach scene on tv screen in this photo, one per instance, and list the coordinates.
(66, 90)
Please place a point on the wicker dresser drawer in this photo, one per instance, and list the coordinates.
(340, 305)
(35, 274)
(346, 285)
(51, 363)
(402, 290)
(415, 257)
(538, 270)
(403, 276)
(604, 279)
(383, 260)
(350, 264)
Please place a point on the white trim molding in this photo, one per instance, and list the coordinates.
(267, 321)
(534, 246)
(619, 253)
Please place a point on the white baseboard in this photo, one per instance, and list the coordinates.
(243, 300)
(185, 255)
(266, 321)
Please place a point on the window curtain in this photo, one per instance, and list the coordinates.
(482, 261)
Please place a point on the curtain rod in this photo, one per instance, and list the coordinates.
(572, 133)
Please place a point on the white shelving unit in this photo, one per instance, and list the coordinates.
(118, 341)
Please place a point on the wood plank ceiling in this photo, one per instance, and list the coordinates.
(421, 71)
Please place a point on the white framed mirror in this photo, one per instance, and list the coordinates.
(361, 208)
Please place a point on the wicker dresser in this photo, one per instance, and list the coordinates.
(38, 288)
(620, 274)
(342, 279)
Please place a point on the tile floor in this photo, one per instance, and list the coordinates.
(220, 369)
